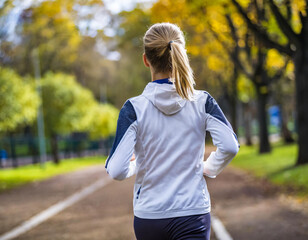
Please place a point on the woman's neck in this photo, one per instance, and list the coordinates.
(156, 76)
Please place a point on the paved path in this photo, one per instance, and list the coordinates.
(253, 209)
(21, 203)
(105, 214)
(248, 208)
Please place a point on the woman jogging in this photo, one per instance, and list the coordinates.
(165, 128)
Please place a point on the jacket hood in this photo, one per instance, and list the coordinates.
(164, 97)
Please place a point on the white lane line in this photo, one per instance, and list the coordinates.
(220, 231)
(54, 209)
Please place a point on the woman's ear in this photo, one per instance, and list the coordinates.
(145, 60)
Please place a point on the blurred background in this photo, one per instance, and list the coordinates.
(67, 67)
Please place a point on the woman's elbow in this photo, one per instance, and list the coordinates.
(231, 150)
(234, 150)
(116, 175)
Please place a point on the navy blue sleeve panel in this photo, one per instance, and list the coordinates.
(223, 138)
(212, 108)
(126, 117)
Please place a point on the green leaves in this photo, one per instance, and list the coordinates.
(18, 102)
(104, 121)
(69, 107)
(246, 89)
(65, 104)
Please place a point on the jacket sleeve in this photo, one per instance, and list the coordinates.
(118, 164)
(223, 138)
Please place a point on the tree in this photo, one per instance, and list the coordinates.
(104, 121)
(133, 75)
(95, 72)
(67, 107)
(51, 29)
(19, 101)
(18, 104)
(6, 7)
(293, 23)
(247, 54)
(246, 92)
(282, 89)
(213, 69)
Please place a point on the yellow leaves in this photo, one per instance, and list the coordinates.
(290, 70)
(215, 63)
(217, 19)
(51, 29)
(274, 61)
(200, 28)
(245, 88)
(252, 16)
(237, 20)
(197, 39)
(193, 50)
(219, 27)
(244, 3)
(290, 67)
(47, 33)
(241, 43)
(170, 11)
(193, 21)
(239, 24)
(48, 9)
(300, 5)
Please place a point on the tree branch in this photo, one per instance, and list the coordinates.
(218, 39)
(289, 11)
(304, 20)
(280, 73)
(247, 47)
(284, 25)
(240, 66)
(234, 55)
(261, 34)
(232, 28)
(260, 11)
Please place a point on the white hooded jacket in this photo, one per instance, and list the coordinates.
(167, 135)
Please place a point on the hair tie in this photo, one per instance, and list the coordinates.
(169, 44)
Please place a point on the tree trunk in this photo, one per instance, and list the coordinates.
(67, 150)
(247, 124)
(233, 100)
(285, 132)
(264, 145)
(301, 73)
(54, 148)
(13, 150)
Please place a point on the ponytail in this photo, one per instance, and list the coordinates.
(164, 47)
(182, 73)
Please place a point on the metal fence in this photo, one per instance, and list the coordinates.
(17, 150)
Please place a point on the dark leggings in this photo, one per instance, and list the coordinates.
(197, 227)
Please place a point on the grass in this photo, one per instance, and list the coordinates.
(277, 166)
(10, 178)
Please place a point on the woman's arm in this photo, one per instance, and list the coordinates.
(119, 165)
(223, 138)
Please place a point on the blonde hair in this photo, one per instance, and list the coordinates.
(164, 48)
